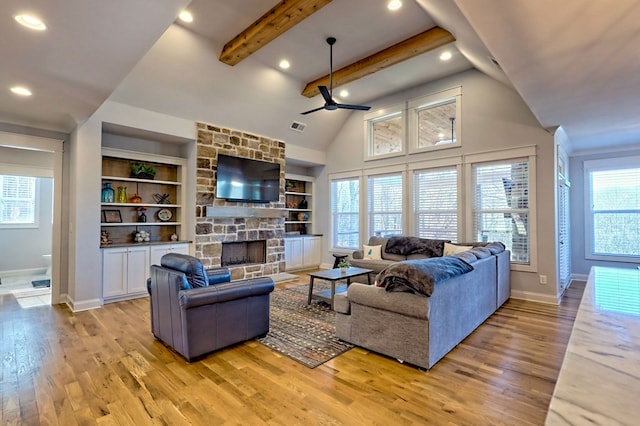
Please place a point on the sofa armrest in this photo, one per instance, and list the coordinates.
(218, 275)
(409, 304)
(225, 291)
(358, 254)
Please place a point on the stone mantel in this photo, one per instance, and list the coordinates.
(231, 211)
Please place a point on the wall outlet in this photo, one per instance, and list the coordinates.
(543, 279)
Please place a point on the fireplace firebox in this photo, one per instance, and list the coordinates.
(235, 253)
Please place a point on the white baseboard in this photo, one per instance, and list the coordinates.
(535, 297)
(23, 272)
(83, 305)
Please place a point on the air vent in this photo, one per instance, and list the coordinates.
(495, 62)
(297, 126)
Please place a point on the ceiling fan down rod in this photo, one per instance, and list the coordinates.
(331, 41)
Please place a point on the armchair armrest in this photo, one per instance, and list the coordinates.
(218, 275)
(224, 292)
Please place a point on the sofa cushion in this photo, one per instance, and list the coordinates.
(189, 265)
(467, 256)
(450, 249)
(372, 252)
(481, 252)
(375, 265)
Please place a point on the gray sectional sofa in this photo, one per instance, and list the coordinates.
(420, 329)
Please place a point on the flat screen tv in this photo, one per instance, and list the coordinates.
(247, 180)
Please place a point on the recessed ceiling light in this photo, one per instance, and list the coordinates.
(344, 93)
(186, 16)
(445, 56)
(30, 22)
(394, 5)
(21, 91)
(284, 64)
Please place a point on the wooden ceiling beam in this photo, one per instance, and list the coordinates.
(407, 49)
(275, 22)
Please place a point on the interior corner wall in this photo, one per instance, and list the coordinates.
(494, 117)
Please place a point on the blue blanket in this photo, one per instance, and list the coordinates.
(421, 275)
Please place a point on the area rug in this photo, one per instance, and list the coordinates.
(304, 333)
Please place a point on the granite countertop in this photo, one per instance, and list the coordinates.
(599, 382)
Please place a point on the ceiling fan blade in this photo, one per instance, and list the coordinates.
(312, 110)
(325, 94)
(358, 107)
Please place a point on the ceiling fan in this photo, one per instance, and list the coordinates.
(327, 94)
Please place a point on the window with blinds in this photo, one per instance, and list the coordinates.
(345, 213)
(17, 200)
(500, 206)
(614, 210)
(435, 203)
(385, 204)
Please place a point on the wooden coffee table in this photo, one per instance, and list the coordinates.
(334, 275)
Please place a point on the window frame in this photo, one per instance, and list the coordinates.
(380, 115)
(344, 177)
(602, 165)
(36, 205)
(381, 172)
(527, 153)
(415, 106)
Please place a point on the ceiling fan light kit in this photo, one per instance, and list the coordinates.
(327, 93)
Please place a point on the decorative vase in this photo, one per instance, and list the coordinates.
(122, 194)
(303, 204)
(108, 194)
(142, 217)
(136, 198)
(343, 269)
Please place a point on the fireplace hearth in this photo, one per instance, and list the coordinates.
(236, 253)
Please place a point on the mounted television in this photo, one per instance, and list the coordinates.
(246, 180)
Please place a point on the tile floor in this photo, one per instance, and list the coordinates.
(24, 292)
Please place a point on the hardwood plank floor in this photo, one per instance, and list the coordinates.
(105, 367)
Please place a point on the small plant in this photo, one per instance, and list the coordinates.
(344, 263)
(143, 170)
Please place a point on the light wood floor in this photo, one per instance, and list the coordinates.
(104, 366)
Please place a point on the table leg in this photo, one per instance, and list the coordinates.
(369, 277)
(310, 290)
(333, 292)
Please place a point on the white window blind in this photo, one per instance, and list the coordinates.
(17, 200)
(345, 213)
(615, 212)
(385, 204)
(435, 203)
(501, 206)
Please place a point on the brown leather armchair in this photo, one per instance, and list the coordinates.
(197, 311)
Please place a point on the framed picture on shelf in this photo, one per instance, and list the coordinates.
(111, 216)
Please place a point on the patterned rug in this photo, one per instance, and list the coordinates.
(304, 333)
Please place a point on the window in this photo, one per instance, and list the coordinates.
(613, 203)
(434, 121)
(345, 212)
(500, 206)
(385, 133)
(18, 201)
(385, 204)
(435, 203)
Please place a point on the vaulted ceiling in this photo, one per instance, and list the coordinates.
(574, 63)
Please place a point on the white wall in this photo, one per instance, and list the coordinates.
(493, 117)
(580, 265)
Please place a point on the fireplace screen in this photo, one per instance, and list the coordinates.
(243, 252)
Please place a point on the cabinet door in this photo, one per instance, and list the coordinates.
(137, 269)
(180, 248)
(312, 251)
(293, 253)
(158, 251)
(114, 272)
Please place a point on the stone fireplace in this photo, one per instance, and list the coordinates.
(219, 221)
(237, 253)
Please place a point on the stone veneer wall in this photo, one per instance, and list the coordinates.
(210, 232)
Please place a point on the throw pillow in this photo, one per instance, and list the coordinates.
(450, 249)
(372, 252)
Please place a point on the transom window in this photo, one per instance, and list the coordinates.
(385, 133)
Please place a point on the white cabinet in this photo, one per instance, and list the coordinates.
(124, 272)
(302, 252)
(157, 251)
